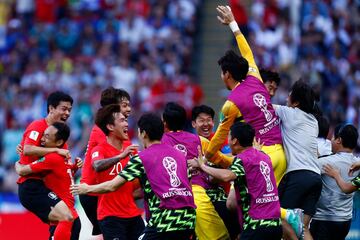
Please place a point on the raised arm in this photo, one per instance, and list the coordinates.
(108, 186)
(227, 18)
(230, 112)
(218, 158)
(221, 174)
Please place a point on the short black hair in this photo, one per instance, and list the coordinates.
(175, 116)
(324, 126)
(302, 93)
(55, 98)
(197, 110)
(63, 132)
(113, 96)
(105, 116)
(269, 76)
(243, 132)
(348, 134)
(152, 125)
(237, 66)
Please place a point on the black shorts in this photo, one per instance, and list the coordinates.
(329, 230)
(151, 234)
(300, 189)
(230, 218)
(262, 233)
(121, 228)
(37, 198)
(89, 204)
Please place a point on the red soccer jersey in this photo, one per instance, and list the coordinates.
(120, 203)
(97, 136)
(32, 136)
(58, 177)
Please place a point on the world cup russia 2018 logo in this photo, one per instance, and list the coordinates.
(170, 165)
(265, 170)
(181, 148)
(260, 101)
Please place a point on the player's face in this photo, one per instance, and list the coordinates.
(271, 86)
(121, 126)
(125, 107)
(49, 137)
(62, 112)
(203, 125)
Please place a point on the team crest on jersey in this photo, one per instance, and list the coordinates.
(52, 195)
(39, 160)
(34, 135)
(181, 148)
(95, 154)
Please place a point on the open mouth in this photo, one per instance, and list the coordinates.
(125, 131)
(127, 114)
(206, 130)
(64, 119)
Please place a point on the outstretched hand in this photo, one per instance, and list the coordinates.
(78, 189)
(64, 152)
(353, 168)
(201, 159)
(257, 144)
(79, 162)
(226, 16)
(193, 163)
(129, 150)
(331, 171)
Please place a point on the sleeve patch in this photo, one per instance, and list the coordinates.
(34, 135)
(251, 69)
(95, 154)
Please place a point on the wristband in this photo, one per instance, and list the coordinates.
(234, 26)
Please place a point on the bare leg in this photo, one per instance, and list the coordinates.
(288, 231)
(60, 212)
(307, 234)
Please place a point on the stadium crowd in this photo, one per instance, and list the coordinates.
(143, 46)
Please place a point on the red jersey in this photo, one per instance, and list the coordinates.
(120, 203)
(32, 136)
(58, 177)
(97, 136)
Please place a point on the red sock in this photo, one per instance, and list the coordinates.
(63, 231)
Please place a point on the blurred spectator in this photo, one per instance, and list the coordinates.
(82, 47)
(145, 46)
(318, 41)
